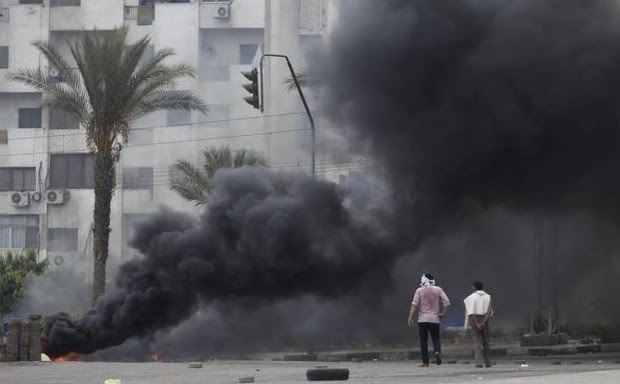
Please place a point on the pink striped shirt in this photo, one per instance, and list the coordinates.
(429, 300)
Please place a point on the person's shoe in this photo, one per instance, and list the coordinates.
(479, 366)
(437, 358)
(424, 365)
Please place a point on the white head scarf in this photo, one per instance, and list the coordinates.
(425, 281)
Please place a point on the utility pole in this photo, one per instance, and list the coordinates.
(258, 101)
(546, 318)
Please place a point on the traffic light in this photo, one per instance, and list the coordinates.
(252, 88)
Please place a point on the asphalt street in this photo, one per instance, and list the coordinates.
(216, 372)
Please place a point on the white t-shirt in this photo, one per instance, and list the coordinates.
(476, 304)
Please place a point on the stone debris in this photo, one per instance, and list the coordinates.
(23, 341)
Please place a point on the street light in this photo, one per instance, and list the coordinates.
(259, 102)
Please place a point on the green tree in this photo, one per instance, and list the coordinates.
(196, 184)
(114, 84)
(14, 268)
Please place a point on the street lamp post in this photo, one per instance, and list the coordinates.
(261, 101)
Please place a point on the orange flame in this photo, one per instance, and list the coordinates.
(158, 357)
(68, 357)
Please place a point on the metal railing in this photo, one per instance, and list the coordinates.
(65, 3)
(4, 15)
(143, 14)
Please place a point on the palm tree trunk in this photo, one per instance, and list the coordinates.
(104, 188)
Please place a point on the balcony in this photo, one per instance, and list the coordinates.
(143, 14)
(4, 15)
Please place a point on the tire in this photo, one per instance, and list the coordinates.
(327, 374)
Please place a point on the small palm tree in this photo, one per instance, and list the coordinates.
(114, 84)
(196, 185)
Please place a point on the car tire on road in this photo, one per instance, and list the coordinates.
(327, 374)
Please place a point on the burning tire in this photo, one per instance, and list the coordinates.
(327, 374)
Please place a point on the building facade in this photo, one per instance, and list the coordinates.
(46, 172)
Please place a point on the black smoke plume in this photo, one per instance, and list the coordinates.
(485, 114)
(491, 116)
(262, 238)
(511, 103)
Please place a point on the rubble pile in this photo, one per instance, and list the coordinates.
(23, 341)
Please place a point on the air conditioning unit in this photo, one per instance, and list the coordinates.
(55, 74)
(55, 196)
(20, 199)
(222, 11)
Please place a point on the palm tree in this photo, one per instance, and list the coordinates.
(196, 184)
(114, 84)
(305, 79)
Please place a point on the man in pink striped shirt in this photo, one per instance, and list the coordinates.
(429, 304)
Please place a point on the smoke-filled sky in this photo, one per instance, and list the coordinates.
(497, 125)
(493, 119)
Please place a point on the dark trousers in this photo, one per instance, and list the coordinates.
(482, 348)
(425, 329)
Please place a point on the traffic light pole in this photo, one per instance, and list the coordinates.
(303, 100)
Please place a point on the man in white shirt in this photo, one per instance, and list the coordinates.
(478, 312)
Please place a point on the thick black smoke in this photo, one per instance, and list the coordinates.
(477, 109)
(262, 238)
(477, 102)
(482, 106)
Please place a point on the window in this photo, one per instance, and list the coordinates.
(178, 117)
(4, 136)
(17, 179)
(138, 178)
(60, 119)
(19, 231)
(31, 1)
(75, 171)
(140, 135)
(4, 56)
(65, 3)
(29, 118)
(247, 53)
(62, 239)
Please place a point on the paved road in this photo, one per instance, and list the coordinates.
(591, 372)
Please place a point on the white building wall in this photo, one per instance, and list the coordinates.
(212, 46)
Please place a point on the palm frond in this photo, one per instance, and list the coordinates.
(217, 158)
(248, 157)
(304, 78)
(196, 185)
(193, 185)
(113, 84)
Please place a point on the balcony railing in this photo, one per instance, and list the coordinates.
(143, 14)
(4, 15)
(65, 3)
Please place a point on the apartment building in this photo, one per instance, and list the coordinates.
(46, 172)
